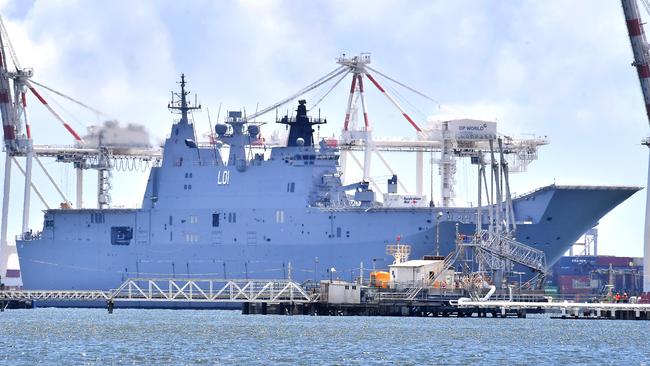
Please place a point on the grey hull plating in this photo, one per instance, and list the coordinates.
(550, 219)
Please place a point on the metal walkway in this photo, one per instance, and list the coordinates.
(39, 295)
(178, 290)
(492, 249)
(566, 308)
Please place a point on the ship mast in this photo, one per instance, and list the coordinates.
(182, 105)
(642, 63)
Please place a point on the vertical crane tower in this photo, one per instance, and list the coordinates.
(14, 85)
(640, 49)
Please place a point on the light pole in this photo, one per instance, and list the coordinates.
(374, 260)
(438, 217)
(331, 271)
(519, 273)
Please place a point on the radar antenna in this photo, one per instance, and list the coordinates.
(179, 103)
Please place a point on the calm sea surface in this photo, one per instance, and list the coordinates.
(154, 337)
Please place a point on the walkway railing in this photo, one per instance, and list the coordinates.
(179, 290)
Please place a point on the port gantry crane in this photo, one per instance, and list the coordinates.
(15, 83)
(640, 48)
(521, 152)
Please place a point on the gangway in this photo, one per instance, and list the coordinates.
(178, 290)
(53, 295)
(494, 248)
(211, 290)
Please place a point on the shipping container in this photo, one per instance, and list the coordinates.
(605, 260)
(579, 284)
(569, 261)
(583, 269)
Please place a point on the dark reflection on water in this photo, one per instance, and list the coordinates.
(153, 337)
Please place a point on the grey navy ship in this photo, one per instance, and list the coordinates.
(248, 215)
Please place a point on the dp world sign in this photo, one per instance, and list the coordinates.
(472, 129)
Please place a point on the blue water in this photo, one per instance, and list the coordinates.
(154, 337)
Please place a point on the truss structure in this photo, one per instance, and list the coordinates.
(42, 295)
(179, 290)
(211, 290)
(494, 251)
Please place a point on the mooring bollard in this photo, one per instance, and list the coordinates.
(109, 306)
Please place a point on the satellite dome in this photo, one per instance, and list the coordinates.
(221, 129)
(300, 141)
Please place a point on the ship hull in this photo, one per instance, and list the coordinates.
(307, 245)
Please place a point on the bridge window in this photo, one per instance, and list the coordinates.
(215, 220)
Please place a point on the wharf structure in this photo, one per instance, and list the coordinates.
(331, 298)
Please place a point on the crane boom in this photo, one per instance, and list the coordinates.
(642, 63)
(338, 71)
(639, 48)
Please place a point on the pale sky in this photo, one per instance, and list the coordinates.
(559, 69)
